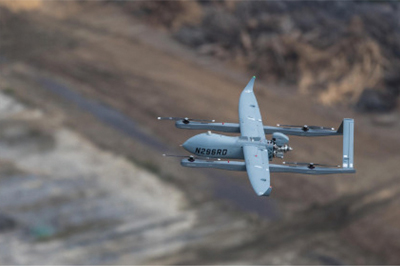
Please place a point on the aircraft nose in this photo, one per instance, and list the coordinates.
(189, 144)
(186, 145)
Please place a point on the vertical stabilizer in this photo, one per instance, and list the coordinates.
(348, 143)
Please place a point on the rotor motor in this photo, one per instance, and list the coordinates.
(280, 146)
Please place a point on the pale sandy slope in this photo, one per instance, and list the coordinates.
(73, 203)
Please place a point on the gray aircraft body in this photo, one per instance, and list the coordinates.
(252, 146)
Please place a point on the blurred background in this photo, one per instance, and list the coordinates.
(82, 179)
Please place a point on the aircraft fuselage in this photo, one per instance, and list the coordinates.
(220, 146)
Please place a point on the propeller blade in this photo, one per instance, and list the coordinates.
(319, 127)
(172, 118)
(202, 120)
(173, 155)
(311, 165)
(279, 125)
(184, 119)
(190, 158)
(306, 127)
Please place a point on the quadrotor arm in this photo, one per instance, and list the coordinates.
(221, 127)
(235, 128)
(279, 168)
(347, 130)
(305, 131)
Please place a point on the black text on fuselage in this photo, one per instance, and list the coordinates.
(212, 152)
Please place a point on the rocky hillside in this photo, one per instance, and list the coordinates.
(336, 52)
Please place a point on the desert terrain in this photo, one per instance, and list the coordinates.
(82, 176)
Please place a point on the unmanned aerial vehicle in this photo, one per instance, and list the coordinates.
(216, 151)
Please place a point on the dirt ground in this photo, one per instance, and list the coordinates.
(110, 58)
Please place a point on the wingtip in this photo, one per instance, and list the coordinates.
(249, 86)
(265, 193)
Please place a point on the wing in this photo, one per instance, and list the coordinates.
(249, 113)
(257, 166)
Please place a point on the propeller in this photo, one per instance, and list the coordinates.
(306, 127)
(311, 165)
(190, 159)
(185, 120)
